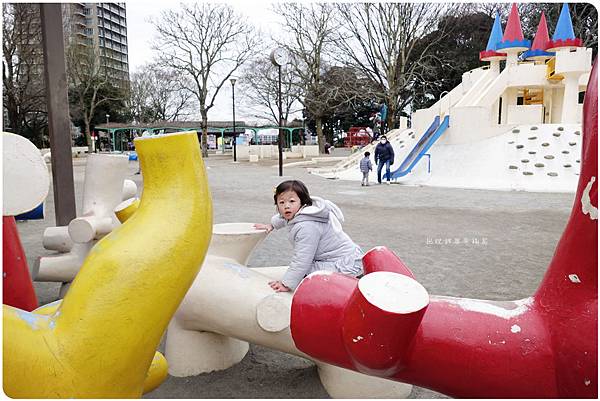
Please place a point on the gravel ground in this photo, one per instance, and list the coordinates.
(432, 229)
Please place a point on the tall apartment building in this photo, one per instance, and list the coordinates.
(104, 27)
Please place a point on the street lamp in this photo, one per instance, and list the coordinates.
(232, 80)
(278, 58)
(107, 130)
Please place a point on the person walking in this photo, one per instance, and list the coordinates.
(384, 156)
(365, 168)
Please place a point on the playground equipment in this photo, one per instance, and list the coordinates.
(25, 186)
(101, 193)
(230, 305)
(101, 340)
(357, 136)
(400, 136)
(536, 91)
(544, 346)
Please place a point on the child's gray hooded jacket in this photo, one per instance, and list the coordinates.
(319, 242)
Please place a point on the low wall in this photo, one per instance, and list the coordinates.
(525, 114)
(77, 151)
(272, 152)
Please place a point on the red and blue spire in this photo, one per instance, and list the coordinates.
(563, 34)
(540, 43)
(490, 52)
(513, 35)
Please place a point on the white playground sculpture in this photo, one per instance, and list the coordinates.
(22, 163)
(515, 129)
(230, 305)
(101, 194)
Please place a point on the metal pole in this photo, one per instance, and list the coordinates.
(58, 113)
(280, 130)
(234, 134)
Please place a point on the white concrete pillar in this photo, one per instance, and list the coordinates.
(570, 98)
(511, 56)
(495, 67)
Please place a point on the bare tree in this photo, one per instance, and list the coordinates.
(207, 42)
(89, 84)
(158, 94)
(22, 71)
(260, 88)
(312, 28)
(380, 39)
(139, 93)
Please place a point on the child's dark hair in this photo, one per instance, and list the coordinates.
(367, 154)
(298, 187)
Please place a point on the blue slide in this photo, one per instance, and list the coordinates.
(432, 134)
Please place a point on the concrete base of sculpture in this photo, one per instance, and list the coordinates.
(230, 305)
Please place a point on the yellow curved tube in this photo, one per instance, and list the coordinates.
(159, 368)
(101, 340)
(127, 209)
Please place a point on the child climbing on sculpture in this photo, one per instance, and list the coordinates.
(315, 231)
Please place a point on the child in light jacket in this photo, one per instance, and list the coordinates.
(365, 168)
(315, 231)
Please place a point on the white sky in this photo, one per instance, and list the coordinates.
(140, 33)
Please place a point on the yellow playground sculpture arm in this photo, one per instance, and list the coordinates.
(101, 340)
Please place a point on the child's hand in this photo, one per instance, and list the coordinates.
(267, 227)
(278, 286)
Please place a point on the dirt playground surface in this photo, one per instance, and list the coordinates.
(464, 243)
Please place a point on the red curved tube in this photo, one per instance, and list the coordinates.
(17, 288)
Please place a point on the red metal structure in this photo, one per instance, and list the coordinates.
(544, 346)
(357, 136)
(17, 288)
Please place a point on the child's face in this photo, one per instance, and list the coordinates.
(288, 204)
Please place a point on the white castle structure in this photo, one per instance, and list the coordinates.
(516, 128)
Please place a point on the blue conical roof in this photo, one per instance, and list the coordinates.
(564, 27)
(495, 35)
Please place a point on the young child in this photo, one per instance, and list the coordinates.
(365, 167)
(315, 231)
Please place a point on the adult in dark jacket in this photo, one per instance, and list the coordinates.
(384, 155)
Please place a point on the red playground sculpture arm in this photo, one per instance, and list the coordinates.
(544, 346)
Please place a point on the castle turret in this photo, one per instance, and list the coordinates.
(490, 54)
(564, 37)
(513, 42)
(540, 43)
(572, 61)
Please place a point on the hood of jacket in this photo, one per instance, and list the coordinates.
(321, 210)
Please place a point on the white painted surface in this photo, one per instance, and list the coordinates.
(25, 178)
(57, 239)
(393, 292)
(129, 189)
(513, 309)
(586, 203)
(525, 114)
(273, 313)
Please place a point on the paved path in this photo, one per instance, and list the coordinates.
(431, 229)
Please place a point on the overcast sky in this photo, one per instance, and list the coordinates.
(140, 33)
